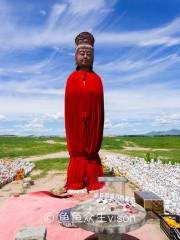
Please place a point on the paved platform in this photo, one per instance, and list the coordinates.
(41, 209)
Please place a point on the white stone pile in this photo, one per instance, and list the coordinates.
(8, 169)
(154, 176)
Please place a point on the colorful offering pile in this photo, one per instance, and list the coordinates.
(116, 201)
(171, 222)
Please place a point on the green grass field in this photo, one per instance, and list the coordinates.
(13, 147)
(166, 148)
(46, 165)
(166, 142)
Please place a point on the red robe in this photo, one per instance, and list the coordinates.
(84, 122)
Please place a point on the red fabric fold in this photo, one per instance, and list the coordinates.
(83, 173)
(84, 121)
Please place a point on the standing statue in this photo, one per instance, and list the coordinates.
(84, 119)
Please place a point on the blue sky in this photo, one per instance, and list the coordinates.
(137, 54)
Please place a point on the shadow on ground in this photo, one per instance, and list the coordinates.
(121, 237)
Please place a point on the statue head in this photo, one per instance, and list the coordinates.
(84, 55)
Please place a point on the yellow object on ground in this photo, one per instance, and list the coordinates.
(171, 222)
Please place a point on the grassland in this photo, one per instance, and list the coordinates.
(46, 165)
(165, 142)
(13, 147)
(166, 148)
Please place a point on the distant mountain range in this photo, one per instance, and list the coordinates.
(163, 133)
(172, 132)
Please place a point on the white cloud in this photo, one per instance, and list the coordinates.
(29, 87)
(149, 98)
(41, 91)
(2, 117)
(109, 125)
(36, 67)
(166, 35)
(34, 125)
(61, 27)
(65, 21)
(170, 119)
(24, 106)
(56, 12)
(82, 7)
(143, 101)
(54, 116)
(134, 63)
(138, 67)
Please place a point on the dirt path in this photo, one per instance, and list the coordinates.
(61, 154)
(64, 154)
(145, 149)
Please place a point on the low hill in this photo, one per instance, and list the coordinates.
(172, 132)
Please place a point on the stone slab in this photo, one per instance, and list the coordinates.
(31, 233)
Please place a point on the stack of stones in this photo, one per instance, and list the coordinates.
(27, 182)
(9, 169)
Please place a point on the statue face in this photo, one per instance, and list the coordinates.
(84, 57)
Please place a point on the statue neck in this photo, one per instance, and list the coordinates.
(88, 69)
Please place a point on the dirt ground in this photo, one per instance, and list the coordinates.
(145, 149)
(63, 154)
(55, 180)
